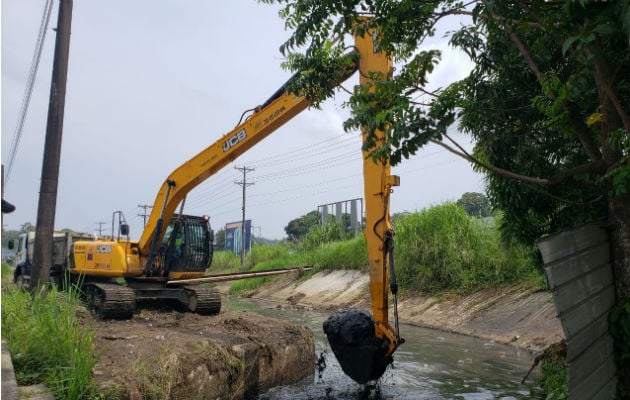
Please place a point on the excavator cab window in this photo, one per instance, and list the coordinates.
(186, 245)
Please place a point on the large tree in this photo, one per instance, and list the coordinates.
(547, 102)
(475, 204)
(298, 227)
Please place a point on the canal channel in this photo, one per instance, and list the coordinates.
(431, 364)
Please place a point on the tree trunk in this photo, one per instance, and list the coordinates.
(619, 217)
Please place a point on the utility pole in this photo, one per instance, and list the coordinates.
(244, 184)
(144, 214)
(100, 228)
(42, 251)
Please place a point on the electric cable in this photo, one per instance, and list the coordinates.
(30, 83)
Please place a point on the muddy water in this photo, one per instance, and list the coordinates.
(429, 365)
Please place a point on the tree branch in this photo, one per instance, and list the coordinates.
(461, 152)
(602, 72)
(525, 53)
(591, 148)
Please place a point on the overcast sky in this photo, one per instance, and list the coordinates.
(152, 83)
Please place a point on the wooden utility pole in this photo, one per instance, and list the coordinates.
(243, 183)
(42, 252)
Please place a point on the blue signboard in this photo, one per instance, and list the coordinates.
(234, 236)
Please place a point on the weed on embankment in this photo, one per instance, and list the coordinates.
(437, 249)
(48, 343)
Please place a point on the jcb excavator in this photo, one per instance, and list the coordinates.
(176, 247)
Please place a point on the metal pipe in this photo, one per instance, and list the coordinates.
(240, 275)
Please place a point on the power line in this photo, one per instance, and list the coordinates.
(30, 83)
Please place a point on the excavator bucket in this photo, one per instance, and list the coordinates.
(360, 352)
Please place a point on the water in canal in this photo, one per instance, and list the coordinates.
(429, 365)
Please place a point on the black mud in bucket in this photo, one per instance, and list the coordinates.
(360, 353)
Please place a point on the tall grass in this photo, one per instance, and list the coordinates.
(321, 251)
(47, 342)
(224, 261)
(443, 248)
(320, 235)
(436, 249)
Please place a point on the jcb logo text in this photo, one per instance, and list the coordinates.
(234, 140)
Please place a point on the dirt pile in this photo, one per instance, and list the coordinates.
(170, 354)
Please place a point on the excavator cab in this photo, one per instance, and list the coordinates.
(186, 246)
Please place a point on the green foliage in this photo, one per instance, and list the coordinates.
(546, 102)
(439, 248)
(318, 235)
(554, 381)
(345, 254)
(219, 239)
(262, 253)
(620, 330)
(48, 343)
(224, 261)
(443, 248)
(475, 204)
(299, 227)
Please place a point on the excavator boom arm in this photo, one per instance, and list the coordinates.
(378, 184)
(275, 112)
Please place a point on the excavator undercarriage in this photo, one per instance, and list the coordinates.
(118, 301)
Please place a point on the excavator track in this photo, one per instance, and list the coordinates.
(110, 301)
(203, 300)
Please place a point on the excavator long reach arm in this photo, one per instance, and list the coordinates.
(362, 344)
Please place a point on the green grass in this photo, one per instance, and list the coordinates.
(438, 249)
(224, 262)
(442, 248)
(554, 381)
(48, 344)
(347, 254)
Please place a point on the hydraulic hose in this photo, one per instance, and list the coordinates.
(393, 283)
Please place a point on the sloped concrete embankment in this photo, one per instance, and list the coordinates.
(515, 314)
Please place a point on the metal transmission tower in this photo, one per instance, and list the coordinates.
(244, 184)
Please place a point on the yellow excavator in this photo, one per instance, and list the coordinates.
(177, 247)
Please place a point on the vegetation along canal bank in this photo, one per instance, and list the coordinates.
(515, 314)
(467, 282)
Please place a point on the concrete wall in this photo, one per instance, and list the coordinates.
(580, 275)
